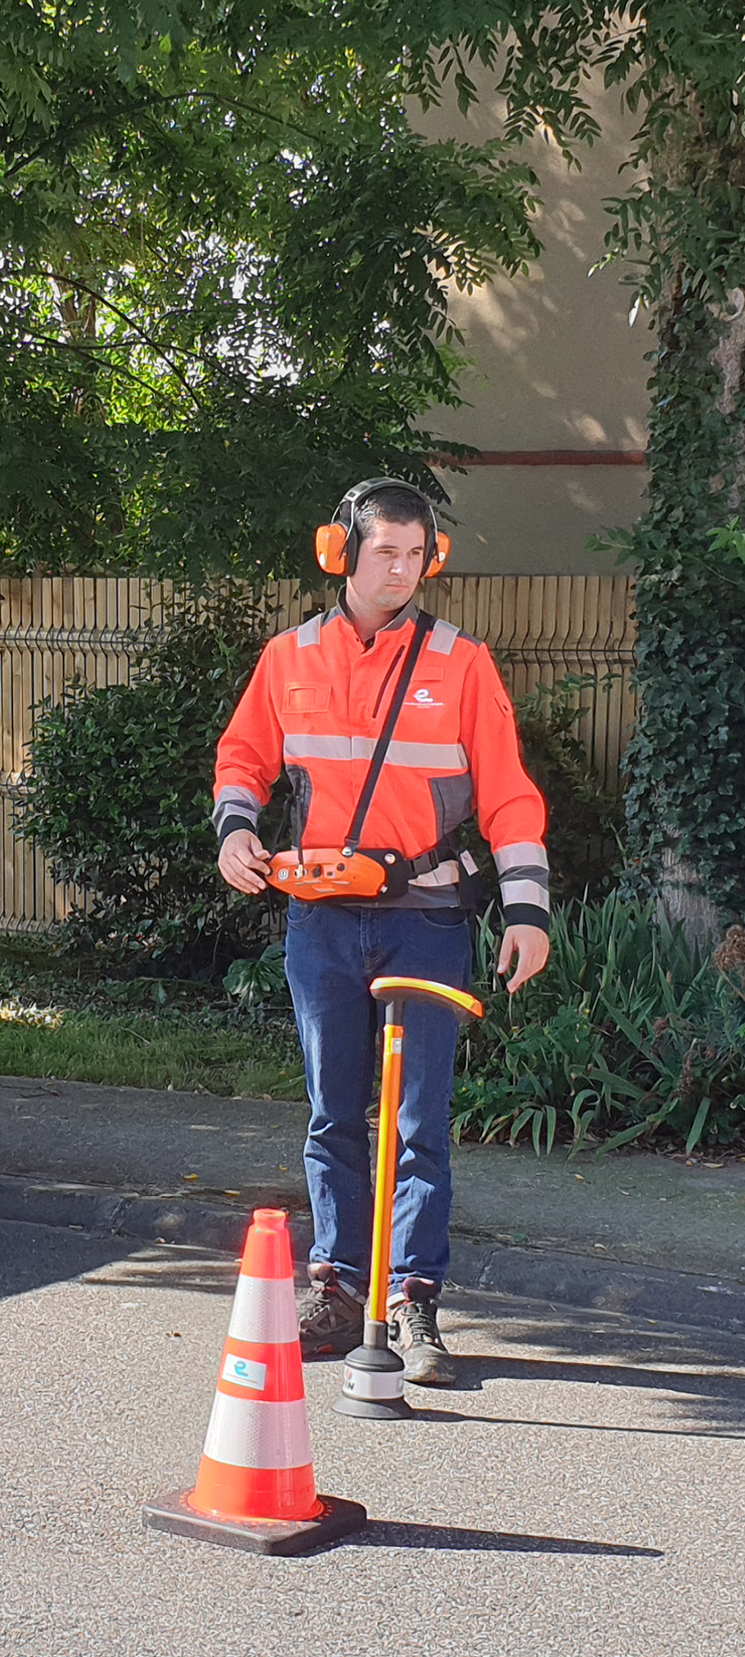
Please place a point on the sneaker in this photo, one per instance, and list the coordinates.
(413, 1324)
(331, 1317)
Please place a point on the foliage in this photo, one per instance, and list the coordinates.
(251, 982)
(224, 269)
(686, 762)
(680, 230)
(626, 1035)
(584, 822)
(119, 796)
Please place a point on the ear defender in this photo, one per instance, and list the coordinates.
(439, 557)
(331, 548)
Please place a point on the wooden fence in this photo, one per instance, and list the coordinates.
(540, 628)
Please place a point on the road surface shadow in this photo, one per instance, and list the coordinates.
(384, 1533)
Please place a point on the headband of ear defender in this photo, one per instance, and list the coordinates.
(338, 543)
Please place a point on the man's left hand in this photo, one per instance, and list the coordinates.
(532, 946)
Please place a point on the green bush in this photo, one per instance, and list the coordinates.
(585, 824)
(120, 795)
(626, 1035)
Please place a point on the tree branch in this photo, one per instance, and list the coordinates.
(74, 282)
(90, 356)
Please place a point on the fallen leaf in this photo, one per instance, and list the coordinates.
(190, 1176)
(713, 1164)
(579, 1176)
(231, 1193)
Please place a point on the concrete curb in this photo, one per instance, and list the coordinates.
(570, 1280)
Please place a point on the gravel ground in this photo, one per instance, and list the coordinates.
(579, 1495)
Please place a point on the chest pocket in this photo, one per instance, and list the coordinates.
(425, 689)
(306, 698)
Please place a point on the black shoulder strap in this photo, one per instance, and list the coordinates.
(422, 627)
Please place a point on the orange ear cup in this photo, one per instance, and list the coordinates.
(331, 542)
(439, 557)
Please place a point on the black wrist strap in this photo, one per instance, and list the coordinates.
(422, 627)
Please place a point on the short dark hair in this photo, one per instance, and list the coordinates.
(392, 506)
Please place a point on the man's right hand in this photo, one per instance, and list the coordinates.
(242, 861)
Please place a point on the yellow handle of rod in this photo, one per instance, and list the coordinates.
(385, 1173)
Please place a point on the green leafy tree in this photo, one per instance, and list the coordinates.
(679, 230)
(224, 258)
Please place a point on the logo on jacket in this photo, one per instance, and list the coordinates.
(423, 699)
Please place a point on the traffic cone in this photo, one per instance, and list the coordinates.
(255, 1486)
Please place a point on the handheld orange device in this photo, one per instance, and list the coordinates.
(330, 873)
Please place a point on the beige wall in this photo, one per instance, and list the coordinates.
(555, 367)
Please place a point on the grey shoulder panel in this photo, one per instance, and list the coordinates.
(442, 638)
(309, 632)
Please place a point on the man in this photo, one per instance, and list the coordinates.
(317, 703)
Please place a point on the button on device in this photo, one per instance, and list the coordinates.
(341, 868)
(317, 871)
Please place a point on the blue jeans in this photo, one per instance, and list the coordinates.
(333, 954)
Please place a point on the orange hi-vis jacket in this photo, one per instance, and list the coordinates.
(316, 704)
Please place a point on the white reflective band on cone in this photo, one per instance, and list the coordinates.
(365, 1383)
(244, 1432)
(264, 1311)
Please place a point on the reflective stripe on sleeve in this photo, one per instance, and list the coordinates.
(524, 891)
(236, 802)
(529, 852)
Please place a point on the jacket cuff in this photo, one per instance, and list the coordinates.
(229, 825)
(526, 914)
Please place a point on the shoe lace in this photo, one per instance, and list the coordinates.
(420, 1317)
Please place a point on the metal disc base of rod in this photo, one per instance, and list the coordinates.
(373, 1386)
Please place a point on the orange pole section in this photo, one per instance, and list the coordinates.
(385, 1173)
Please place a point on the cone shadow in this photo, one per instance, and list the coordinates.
(384, 1533)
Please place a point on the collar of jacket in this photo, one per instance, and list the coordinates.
(409, 613)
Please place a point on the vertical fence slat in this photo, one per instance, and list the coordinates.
(539, 627)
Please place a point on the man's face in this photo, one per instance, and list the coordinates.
(389, 565)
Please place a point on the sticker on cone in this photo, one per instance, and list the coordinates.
(255, 1485)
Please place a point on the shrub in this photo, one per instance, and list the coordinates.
(120, 795)
(585, 823)
(626, 1035)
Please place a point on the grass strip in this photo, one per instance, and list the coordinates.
(133, 1051)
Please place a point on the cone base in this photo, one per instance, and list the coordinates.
(279, 1536)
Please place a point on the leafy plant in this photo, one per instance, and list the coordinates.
(252, 981)
(584, 822)
(120, 795)
(626, 1033)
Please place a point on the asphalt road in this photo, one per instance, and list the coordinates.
(580, 1495)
